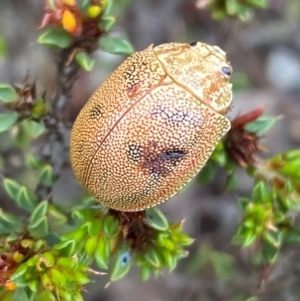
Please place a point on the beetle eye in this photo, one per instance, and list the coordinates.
(193, 43)
(226, 70)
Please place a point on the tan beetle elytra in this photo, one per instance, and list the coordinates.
(152, 125)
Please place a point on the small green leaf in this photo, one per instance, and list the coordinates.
(67, 247)
(81, 278)
(31, 262)
(48, 259)
(107, 23)
(46, 175)
(12, 188)
(223, 264)
(84, 3)
(11, 222)
(156, 219)
(231, 181)
(58, 277)
(76, 235)
(244, 202)
(208, 172)
(182, 239)
(249, 238)
(77, 296)
(102, 253)
(52, 4)
(34, 285)
(258, 3)
(90, 245)
(232, 7)
(95, 227)
(219, 155)
(292, 154)
(46, 281)
(110, 226)
(145, 273)
(270, 252)
(166, 243)
(292, 236)
(169, 259)
(7, 93)
(66, 262)
(152, 257)
(57, 217)
(218, 14)
(274, 238)
(290, 169)
(107, 6)
(26, 199)
(66, 295)
(32, 161)
(35, 129)
(85, 61)
(261, 125)
(56, 37)
(122, 264)
(40, 228)
(116, 45)
(39, 211)
(20, 271)
(82, 214)
(7, 120)
(260, 193)
(24, 294)
(38, 222)
(249, 223)
(38, 244)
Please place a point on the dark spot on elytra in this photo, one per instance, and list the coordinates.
(134, 152)
(129, 72)
(131, 78)
(132, 89)
(172, 155)
(154, 160)
(170, 116)
(96, 111)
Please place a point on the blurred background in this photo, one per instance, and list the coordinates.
(265, 55)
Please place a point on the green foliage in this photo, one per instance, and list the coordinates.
(23, 196)
(98, 238)
(242, 9)
(261, 125)
(222, 263)
(56, 37)
(61, 277)
(268, 214)
(7, 120)
(7, 93)
(85, 61)
(107, 23)
(165, 250)
(116, 45)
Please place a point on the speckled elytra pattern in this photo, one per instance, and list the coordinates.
(152, 125)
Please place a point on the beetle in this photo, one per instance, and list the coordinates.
(152, 125)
